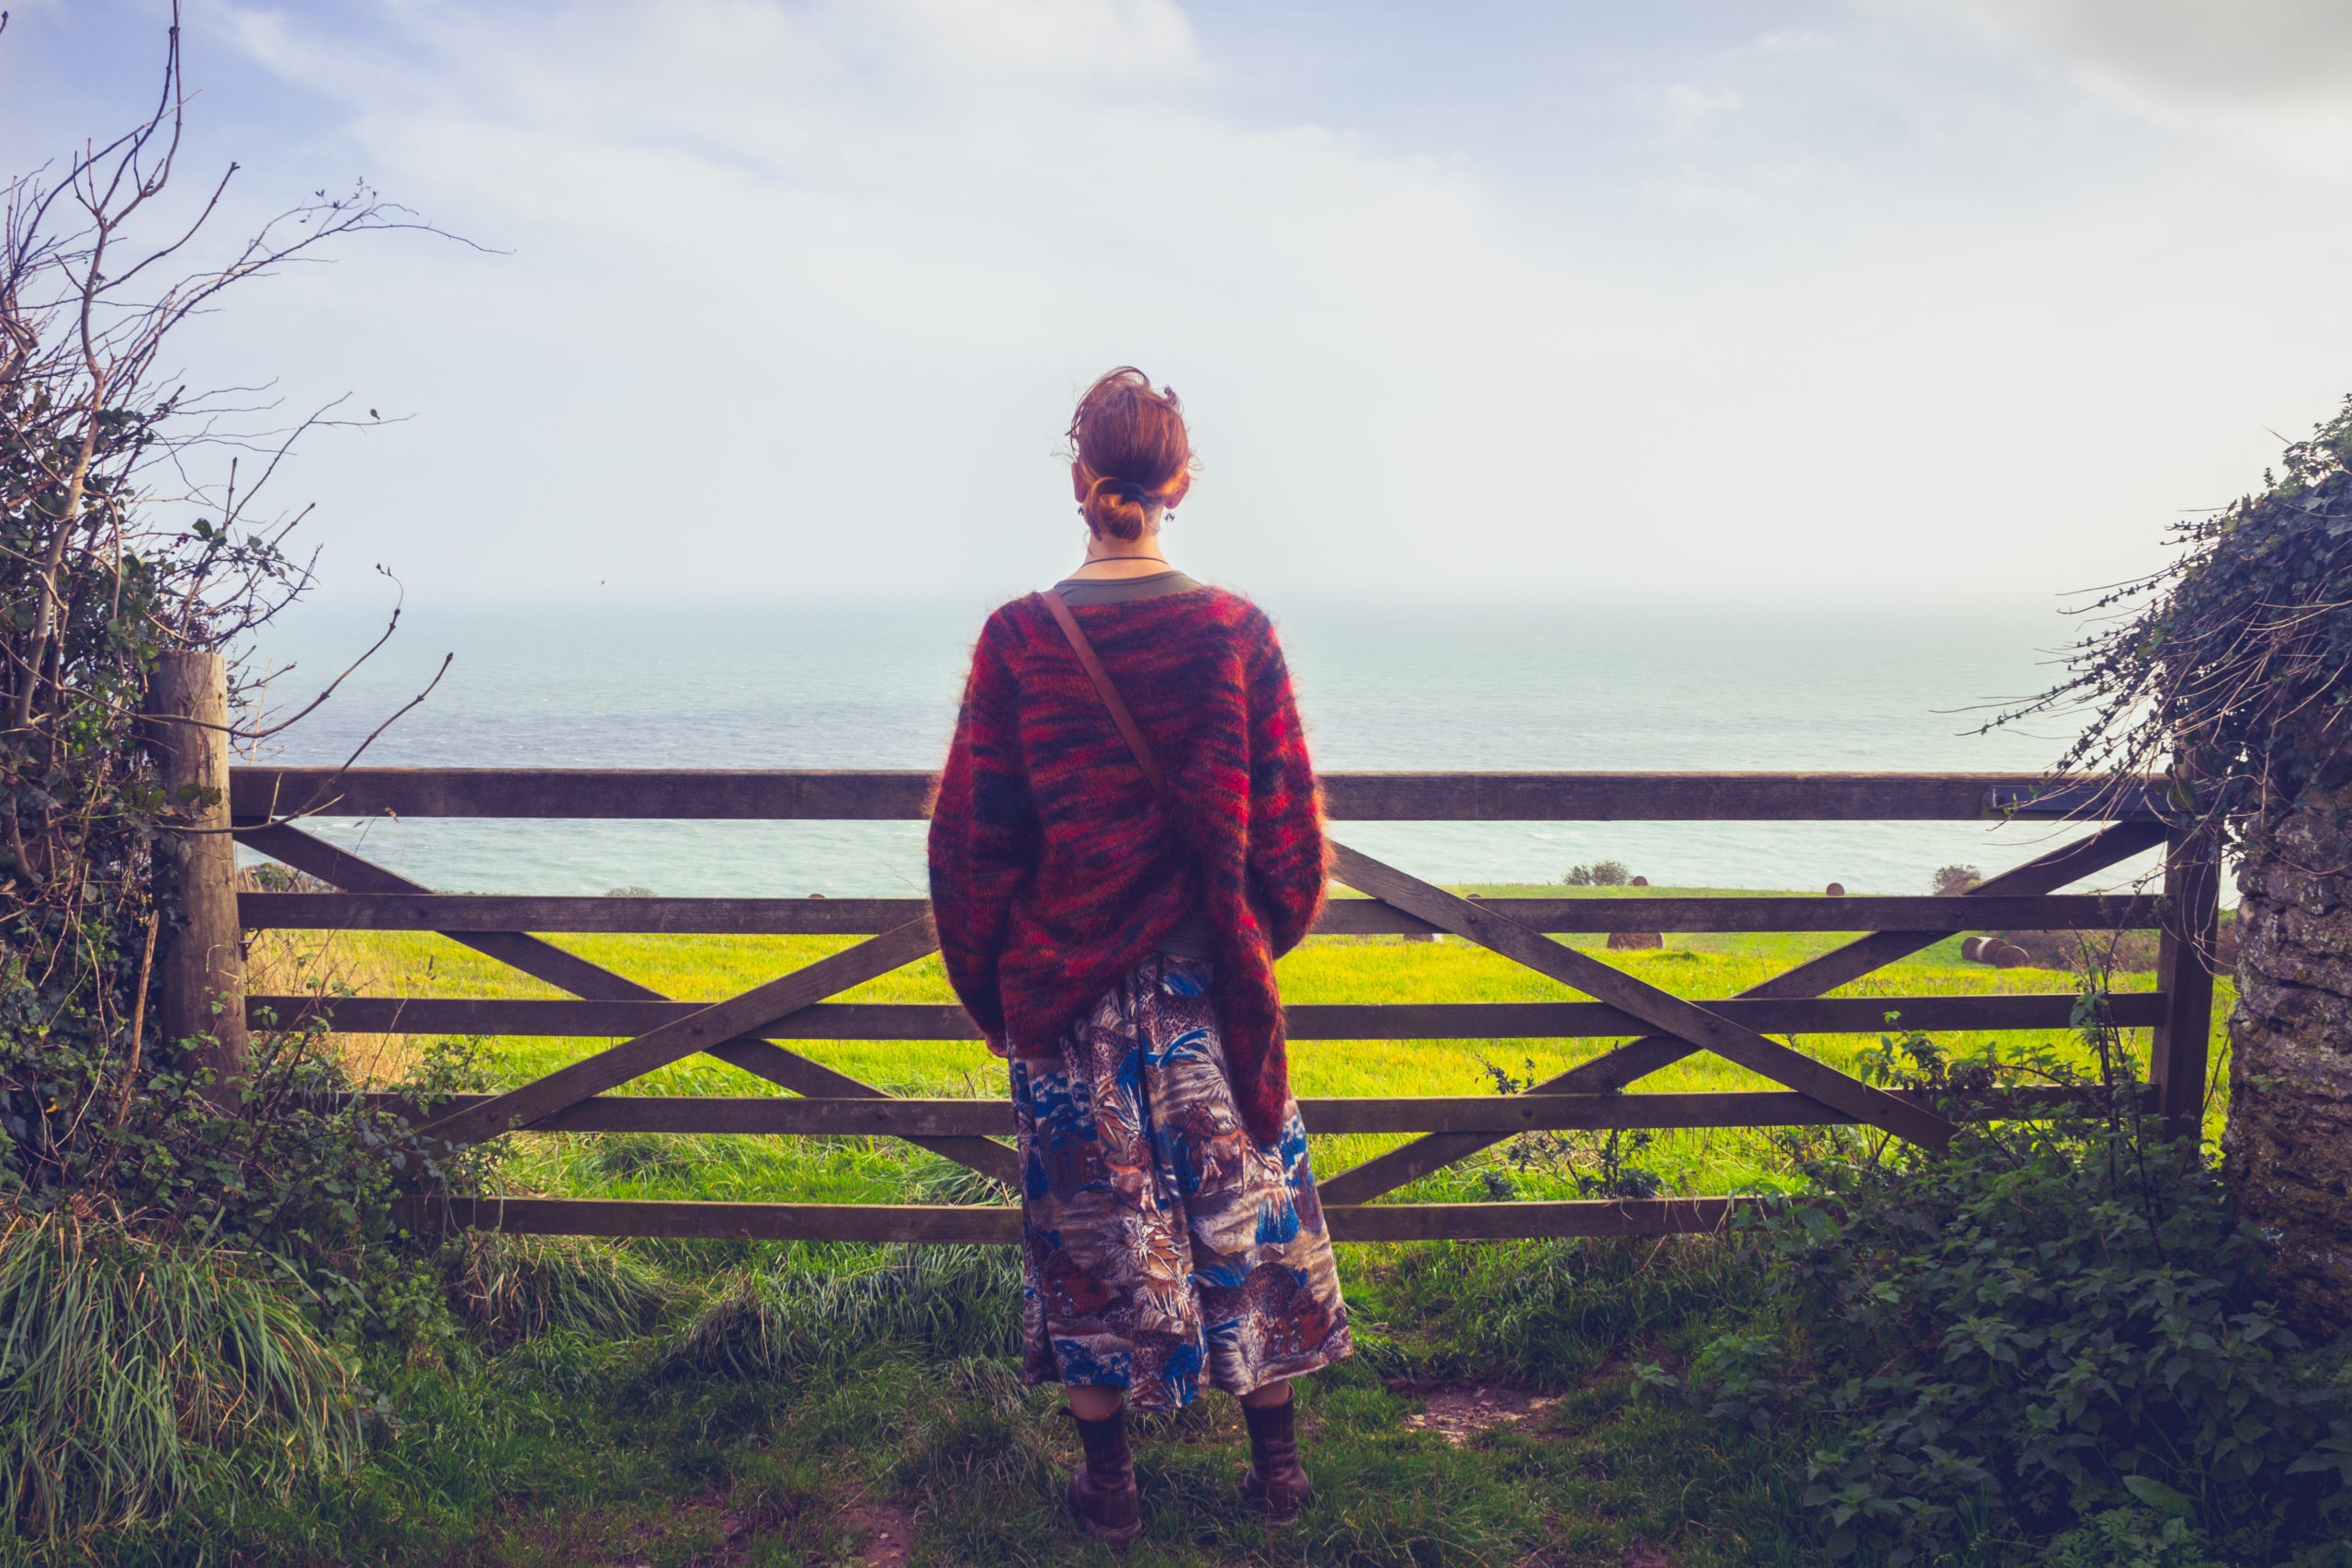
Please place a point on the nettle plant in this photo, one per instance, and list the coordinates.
(2048, 1322)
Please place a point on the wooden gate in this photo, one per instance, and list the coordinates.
(752, 1031)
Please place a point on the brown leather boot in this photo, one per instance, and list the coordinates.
(1102, 1492)
(1274, 1481)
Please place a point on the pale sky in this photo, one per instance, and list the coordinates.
(1899, 301)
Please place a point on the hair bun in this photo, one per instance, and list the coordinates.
(1123, 429)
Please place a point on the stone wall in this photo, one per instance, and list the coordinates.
(2289, 1144)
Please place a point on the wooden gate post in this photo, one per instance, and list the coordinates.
(2184, 968)
(203, 970)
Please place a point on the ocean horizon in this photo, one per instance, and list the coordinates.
(1862, 687)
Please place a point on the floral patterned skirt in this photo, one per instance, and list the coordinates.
(1163, 1247)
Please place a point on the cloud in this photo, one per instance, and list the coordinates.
(1692, 111)
(797, 294)
(2246, 49)
(2275, 76)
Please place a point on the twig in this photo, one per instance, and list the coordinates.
(320, 799)
(138, 1015)
(390, 627)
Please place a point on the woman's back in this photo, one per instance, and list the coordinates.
(1053, 863)
(1124, 838)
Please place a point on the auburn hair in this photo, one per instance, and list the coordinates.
(1131, 448)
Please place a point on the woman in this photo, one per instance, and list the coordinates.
(1110, 912)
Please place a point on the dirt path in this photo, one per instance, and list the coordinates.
(886, 1531)
(1458, 1412)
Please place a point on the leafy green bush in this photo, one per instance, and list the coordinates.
(130, 1372)
(305, 1172)
(2048, 1323)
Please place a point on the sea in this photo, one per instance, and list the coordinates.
(1382, 684)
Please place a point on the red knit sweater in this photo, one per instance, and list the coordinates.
(1054, 869)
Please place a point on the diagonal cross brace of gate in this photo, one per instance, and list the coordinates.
(1614, 1069)
(545, 961)
(1688, 1022)
(714, 1025)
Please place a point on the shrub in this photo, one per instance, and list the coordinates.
(129, 1371)
(305, 1172)
(2047, 1323)
(2227, 669)
(1599, 873)
(1954, 880)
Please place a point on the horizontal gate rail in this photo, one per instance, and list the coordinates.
(989, 1224)
(1341, 917)
(258, 795)
(776, 1116)
(1306, 1021)
(1654, 1028)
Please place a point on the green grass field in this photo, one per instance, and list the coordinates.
(1327, 969)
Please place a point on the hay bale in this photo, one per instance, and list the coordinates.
(1623, 940)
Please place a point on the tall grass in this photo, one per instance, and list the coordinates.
(822, 1308)
(1542, 1313)
(132, 1370)
(518, 1287)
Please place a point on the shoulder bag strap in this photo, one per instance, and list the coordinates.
(1110, 698)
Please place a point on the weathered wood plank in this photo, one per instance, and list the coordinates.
(706, 1029)
(747, 1222)
(1528, 1222)
(1001, 1226)
(258, 793)
(801, 1076)
(2178, 1050)
(545, 961)
(1589, 1021)
(451, 912)
(1631, 1062)
(778, 1116)
(1307, 1020)
(200, 965)
(1684, 1020)
(468, 913)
